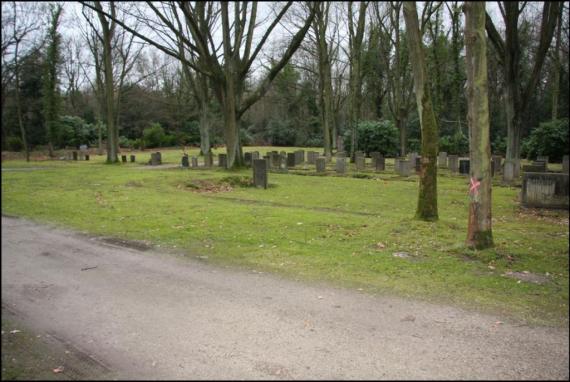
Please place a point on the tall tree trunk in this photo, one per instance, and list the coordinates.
(556, 79)
(18, 103)
(204, 127)
(513, 131)
(427, 200)
(401, 126)
(479, 230)
(100, 139)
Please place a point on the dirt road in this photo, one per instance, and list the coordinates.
(144, 314)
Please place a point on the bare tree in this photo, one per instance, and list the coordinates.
(479, 229)
(356, 37)
(517, 93)
(427, 200)
(227, 64)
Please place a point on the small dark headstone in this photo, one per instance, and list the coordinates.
(291, 160)
(453, 163)
(464, 166)
(359, 162)
(159, 157)
(534, 168)
(75, 155)
(185, 162)
(565, 164)
(260, 173)
(321, 164)
(132, 158)
(380, 163)
(247, 159)
(340, 165)
(154, 159)
(418, 164)
(86, 156)
(124, 158)
(442, 159)
(194, 162)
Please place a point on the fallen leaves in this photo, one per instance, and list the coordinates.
(58, 370)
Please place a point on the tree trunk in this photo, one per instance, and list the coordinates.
(513, 131)
(231, 128)
(19, 106)
(401, 126)
(479, 230)
(204, 127)
(427, 200)
(100, 139)
(556, 79)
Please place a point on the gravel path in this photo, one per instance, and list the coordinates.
(151, 315)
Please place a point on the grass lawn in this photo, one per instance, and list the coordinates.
(342, 230)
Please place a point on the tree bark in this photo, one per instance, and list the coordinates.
(18, 103)
(479, 229)
(556, 79)
(427, 200)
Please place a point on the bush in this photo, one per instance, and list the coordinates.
(414, 145)
(456, 144)
(74, 131)
(126, 142)
(190, 134)
(381, 136)
(14, 144)
(499, 145)
(153, 136)
(281, 133)
(169, 140)
(549, 138)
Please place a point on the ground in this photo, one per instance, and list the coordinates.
(356, 232)
(153, 315)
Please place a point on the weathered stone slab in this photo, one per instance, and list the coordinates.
(403, 167)
(496, 164)
(359, 162)
(291, 160)
(155, 159)
(545, 190)
(508, 170)
(321, 165)
(299, 156)
(254, 155)
(542, 158)
(534, 168)
(453, 163)
(133, 159)
(194, 162)
(275, 160)
(339, 143)
(565, 164)
(223, 160)
(418, 164)
(380, 163)
(464, 166)
(247, 159)
(312, 157)
(74, 155)
(86, 156)
(260, 173)
(124, 158)
(185, 162)
(340, 165)
(442, 159)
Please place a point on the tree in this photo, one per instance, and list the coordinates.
(516, 93)
(479, 230)
(229, 64)
(52, 101)
(556, 74)
(427, 200)
(356, 37)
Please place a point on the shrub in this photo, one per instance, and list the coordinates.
(14, 144)
(169, 140)
(499, 145)
(381, 136)
(126, 142)
(281, 133)
(457, 144)
(153, 136)
(190, 134)
(549, 138)
(74, 131)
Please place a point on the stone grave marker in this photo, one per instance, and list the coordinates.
(543, 158)
(254, 155)
(275, 160)
(194, 162)
(155, 159)
(133, 159)
(508, 169)
(340, 165)
(442, 159)
(453, 163)
(124, 158)
(86, 156)
(403, 168)
(185, 162)
(260, 173)
(360, 162)
(247, 158)
(464, 166)
(418, 164)
(565, 164)
(321, 165)
(75, 155)
(535, 167)
(380, 163)
(291, 160)
(545, 190)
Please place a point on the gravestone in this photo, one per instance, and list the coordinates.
(540, 163)
(223, 160)
(275, 160)
(396, 165)
(299, 156)
(185, 162)
(254, 155)
(155, 159)
(267, 159)
(83, 150)
(453, 163)
(321, 165)
(133, 159)
(124, 158)
(418, 164)
(283, 161)
(464, 166)
(159, 157)
(442, 159)
(247, 159)
(68, 155)
(194, 162)
(540, 167)
(340, 165)
(360, 162)
(291, 160)
(403, 167)
(341, 154)
(412, 158)
(380, 163)
(565, 164)
(260, 173)
(543, 158)
(373, 156)
(508, 170)
(312, 157)
(496, 164)
(545, 190)
(75, 155)
(86, 156)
